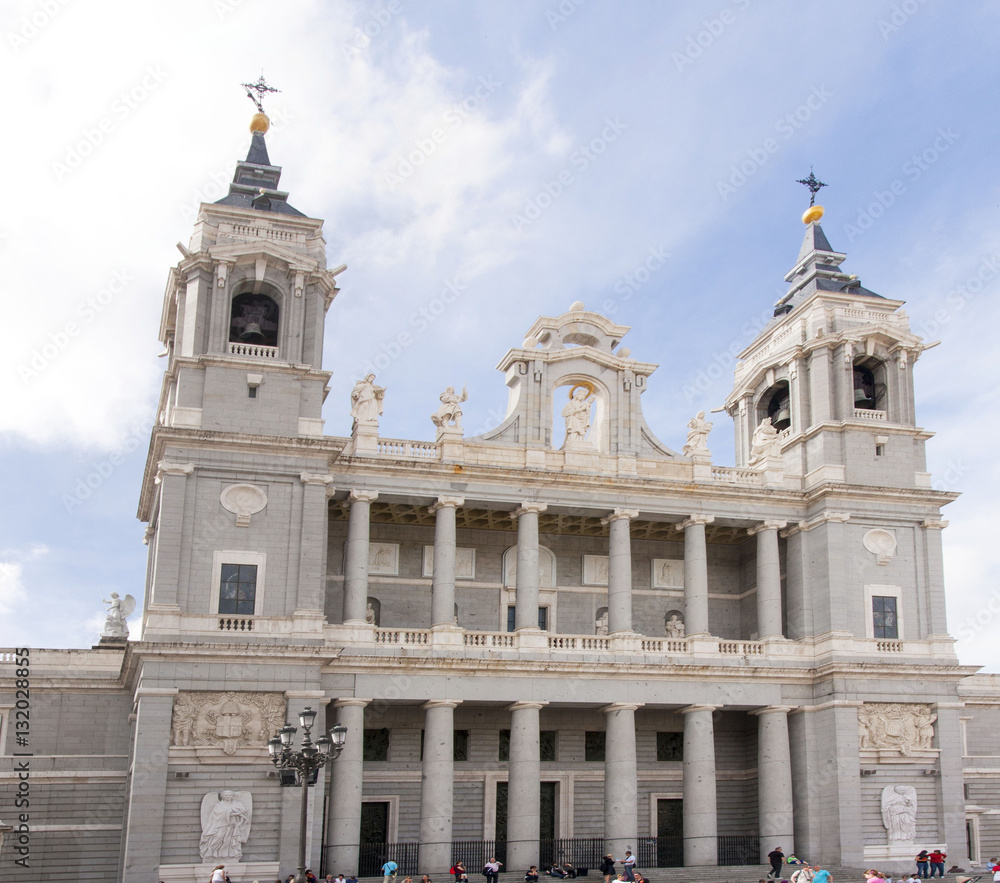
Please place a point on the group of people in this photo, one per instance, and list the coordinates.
(805, 873)
(933, 860)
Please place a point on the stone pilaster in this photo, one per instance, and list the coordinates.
(936, 614)
(768, 578)
(437, 785)
(343, 826)
(695, 574)
(526, 598)
(774, 781)
(312, 545)
(169, 523)
(700, 811)
(356, 559)
(443, 586)
(523, 792)
(620, 570)
(620, 797)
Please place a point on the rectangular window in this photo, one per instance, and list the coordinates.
(884, 617)
(669, 746)
(460, 745)
(543, 618)
(238, 589)
(376, 745)
(593, 745)
(546, 745)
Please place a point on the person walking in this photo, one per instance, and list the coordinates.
(820, 875)
(802, 875)
(492, 870)
(777, 858)
(389, 871)
(608, 867)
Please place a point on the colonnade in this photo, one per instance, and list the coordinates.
(774, 784)
(769, 609)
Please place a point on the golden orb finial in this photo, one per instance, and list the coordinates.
(812, 214)
(260, 123)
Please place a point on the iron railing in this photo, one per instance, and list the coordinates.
(739, 849)
(476, 853)
(583, 853)
(371, 857)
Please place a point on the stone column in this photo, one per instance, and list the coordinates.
(523, 794)
(695, 574)
(774, 781)
(169, 523)
(768, 579)
(443, 586)
(311, 592)
(343, 825)
(147, 784)
(437, 784)
(620, 570)
(620, 798)
(700, 816)
(356, 559)
(526, 593)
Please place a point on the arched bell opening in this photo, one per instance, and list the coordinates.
(869, 385)
(254, 320)
(776, 403)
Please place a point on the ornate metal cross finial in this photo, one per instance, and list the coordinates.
(261, 88)
(812, 182)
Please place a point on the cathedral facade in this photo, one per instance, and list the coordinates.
(553, 641)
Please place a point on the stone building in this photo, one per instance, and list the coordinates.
(554, 640)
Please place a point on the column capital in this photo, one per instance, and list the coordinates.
(767, 525)
(446, 502)
(165, 467)
(349, 701)
(441, 703)
(690, 709)
(529, 507)
(529, 703)
(934, 523)
(316, 478)
(358, 495)
(772, 709)
(620, 515)
(622, 706)
(697, 518)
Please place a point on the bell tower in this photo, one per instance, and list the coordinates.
(832, 372)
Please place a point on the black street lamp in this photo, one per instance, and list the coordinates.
(305, 763)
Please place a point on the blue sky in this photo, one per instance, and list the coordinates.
(575, 141)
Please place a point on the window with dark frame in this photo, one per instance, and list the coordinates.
(593, 745)
(669, 746)
(543, 618)
(238, 589)
(376, 745)
(884, 617)
(546, 745)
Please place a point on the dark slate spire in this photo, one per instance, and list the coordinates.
(817, 268)
(255, 184)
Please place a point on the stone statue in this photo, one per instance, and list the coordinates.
(577, 414)
(370, 614)
(899, 813)
(697, 440)
(674, 626)
(450, 412)
(601, 623)
(367, 400)
(114, 623)
(765, 442)
(225, 824)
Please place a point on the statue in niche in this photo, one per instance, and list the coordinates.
(577, 413)
(601, 623)
(370, 616)
(674, 626)
(697, 440)
(225, 824)
(114, 622)
(765, 442)
(450, 412)
(899, 813)
(367, 401)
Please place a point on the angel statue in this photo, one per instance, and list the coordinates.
(114, 623)
(451, 408)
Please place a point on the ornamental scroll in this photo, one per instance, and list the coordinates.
(228, 720)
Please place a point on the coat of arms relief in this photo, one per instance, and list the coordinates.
(227, 721)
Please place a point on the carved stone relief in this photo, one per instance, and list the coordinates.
(899, 813)
(243, 500)
(881, 543)
(383, 558)
(894, 728)
(595, 570)
(225, 824)
(667, 574)
(227, 720)
(465, 563)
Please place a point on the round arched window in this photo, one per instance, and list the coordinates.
(254, 319)
(778, 406)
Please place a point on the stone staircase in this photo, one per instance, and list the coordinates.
(709, 874)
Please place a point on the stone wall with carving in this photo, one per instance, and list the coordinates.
(896, 731)
(226, 720)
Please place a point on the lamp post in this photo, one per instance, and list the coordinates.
(305, 762)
